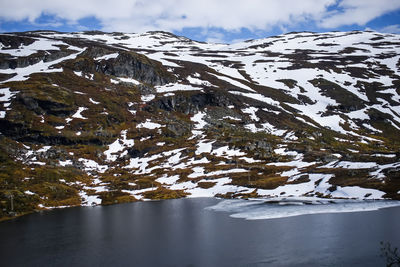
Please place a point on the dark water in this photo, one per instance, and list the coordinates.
(183, 233)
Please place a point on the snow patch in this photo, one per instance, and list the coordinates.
(261, 209)
(149, 125)
(107, 57)
(78, 114)
(118, 146)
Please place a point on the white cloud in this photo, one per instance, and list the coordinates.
(391, 29)
(358, 12)
(214, 37)
(140, 15)
(174, 15)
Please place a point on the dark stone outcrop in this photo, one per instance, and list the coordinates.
(139, 67)
(42, 106)
(135, 152)
(190, 103)
(14, 41)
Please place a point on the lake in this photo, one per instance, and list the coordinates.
(184, 232)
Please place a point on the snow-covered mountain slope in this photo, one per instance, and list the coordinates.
(100, 118)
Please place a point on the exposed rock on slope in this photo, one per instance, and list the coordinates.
(102, 118)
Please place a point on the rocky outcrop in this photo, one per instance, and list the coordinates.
(46, 106)
(11, 41)
(190, 103)
(138, 67)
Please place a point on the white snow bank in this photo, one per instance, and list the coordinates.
(118, 146)
(149, 125)
(78, 114)
(288, 207)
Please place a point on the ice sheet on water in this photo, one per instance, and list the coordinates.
(258, 209)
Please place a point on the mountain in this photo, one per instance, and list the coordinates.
(100, 118)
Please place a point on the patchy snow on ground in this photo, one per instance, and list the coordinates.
(138, 193)
(227, 152)
(112, 153)
(30, 193)
(64, 163)
(93, 102)
(200, 123)
(204, 147)
(234, 82)
(5, 96)
(168, 180)
(43, 149)
(141, 164)
(147, 98)
(89, 200)
(149, 125)
(171, 87)
(78, 73)
(257, 97)
(107, 57)
(93, 166)
(197, 81)
(23, 74)
(222, 186)
(78, 114)
(355, 165)
(252, 112)
(128, 80)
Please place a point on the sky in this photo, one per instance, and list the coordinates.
(220, 21)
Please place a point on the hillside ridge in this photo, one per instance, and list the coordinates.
(96, 118)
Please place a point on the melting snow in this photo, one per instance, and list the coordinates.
(107, 57)
(118, 146)
(22, 74)
(168, 180)
(197, 81)
(78, 114)
(203, 147)
(147, 98)
(65, 162)
(252, 111)
(287, 207)
(89, 200)
(128, 80)
(149, 125)
(93, 102)
(171, 87)
(91, 165)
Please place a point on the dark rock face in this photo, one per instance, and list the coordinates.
(136, 153)
(15, 130)
(96, 51)
(22, 133)
(129, 64)
(41, 106)
(260, 148)
(191, 103)
(14, 41)
(177, 128)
